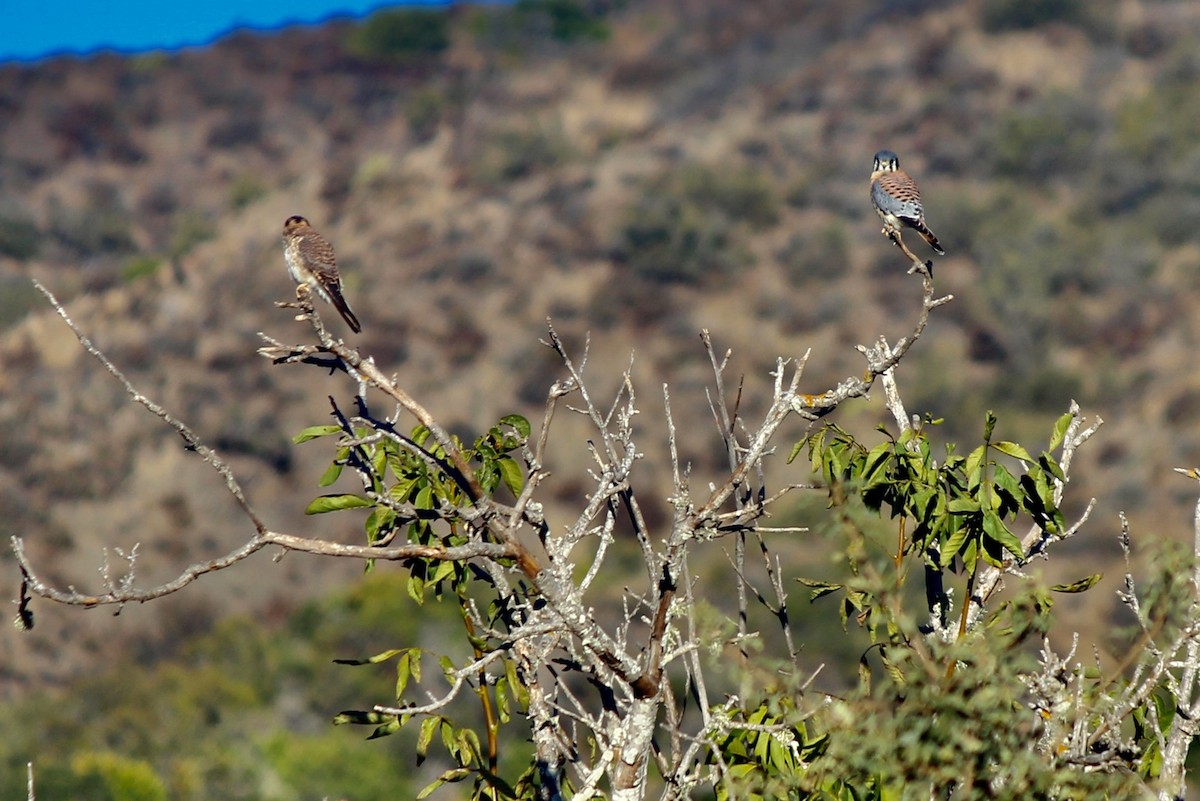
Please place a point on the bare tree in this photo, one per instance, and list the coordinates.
(625, 705)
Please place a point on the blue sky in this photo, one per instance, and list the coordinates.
(32, 29)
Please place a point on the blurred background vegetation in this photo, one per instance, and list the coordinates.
(636, 171)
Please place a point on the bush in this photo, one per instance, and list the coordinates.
(1054, 136)
(19, 237)
(140, 267)
(519, 151)
(191, 228)
(568, 20)
(423, 110)
(1159, 127)
(122, 779)
(744, 195)
(1027, 259)
(17, 298)
(102, 226)
(686, 225)
(1005, 15)
(815, 255)
(402, 35)
(246, 189)
(666, 239)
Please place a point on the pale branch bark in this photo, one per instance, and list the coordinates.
(894, 404)
(1185, 725)
(128, 594)
(1084, 719)
(548, 628)
(728, 432)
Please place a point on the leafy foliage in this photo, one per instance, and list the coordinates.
(1001, 15)
(412, 494)
(401, 35)
(926, 716)
(688, 225)
(962, 507)
(521, 150)
(247, 706)
(569, 20)
(19, 237)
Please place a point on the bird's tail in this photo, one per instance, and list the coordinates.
(928, 236)
(344, 309)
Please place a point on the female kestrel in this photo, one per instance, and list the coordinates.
(310, 260)
(897, 200)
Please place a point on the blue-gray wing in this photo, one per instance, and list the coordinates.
(896, 194)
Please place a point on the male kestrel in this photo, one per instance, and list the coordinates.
(897, 200)
(310, 260)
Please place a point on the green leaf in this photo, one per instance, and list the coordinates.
(999, 533)
(962, 506)
(379, 461)
(518, 424)
(795, 451)
(424, 499)
(402, 489)
(391, 727)
(448, 667)
(420, 435)
(510, 471)
(488, 477)
(819, 588)
(415, 663)
(1079, 586)
(449, 777)
(429, 727)
(312, 432)
(443, 571)
(416, 588)
(1007, 482)
(877, 462)
(1014, 450)
(1165, 704)
(503, 707)
(1051, 466)
(1060, 430)
(970, 555)
(951, 547)
(893, 670)
(336, 503)
(403, 672)
(974, 466)
(924, 502)
(331, 474)
(356, 717)
(380, 519)
(468, 743)
(371, 660)
(520, 691)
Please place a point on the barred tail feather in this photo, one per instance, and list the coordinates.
(928, 236)
(344, 309)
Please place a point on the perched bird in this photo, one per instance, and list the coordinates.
(897, 200)
(310, 260)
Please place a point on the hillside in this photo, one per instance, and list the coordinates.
(678, 166)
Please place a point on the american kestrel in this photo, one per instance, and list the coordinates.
(310, 260)
(897, 200)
